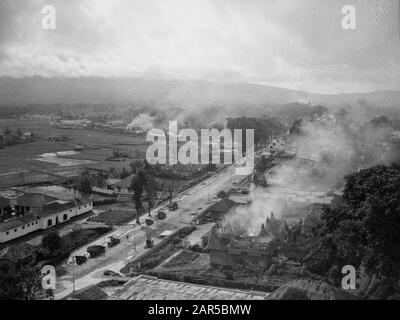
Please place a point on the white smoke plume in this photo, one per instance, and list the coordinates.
(326, 151)
(143, 121)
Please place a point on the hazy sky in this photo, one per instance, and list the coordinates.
(297, 44)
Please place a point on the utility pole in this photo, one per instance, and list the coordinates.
(73, 273)
(134, 238)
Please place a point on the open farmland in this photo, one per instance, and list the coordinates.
(98, 147)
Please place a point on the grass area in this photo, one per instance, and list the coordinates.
(183, 258)
(24, 155)
(114, 217)
(73, 240)
(194, 267)
(160, 252)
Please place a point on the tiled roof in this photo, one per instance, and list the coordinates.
(124, 183)
(223, 206)
(152, 288)
(34, 200)
(55, 207)
(90, 293)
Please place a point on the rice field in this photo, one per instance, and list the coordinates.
(45, 155)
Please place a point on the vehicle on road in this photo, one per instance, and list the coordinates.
(110, 273)
(80, 260)
(113, 242)
(173, 206)
(161, 215)
(149, 222)
(96, 251)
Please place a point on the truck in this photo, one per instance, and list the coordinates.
(173, 206)
(96, 251)
(113, 242)
(80, 260)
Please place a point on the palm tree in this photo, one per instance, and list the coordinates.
(138, 184)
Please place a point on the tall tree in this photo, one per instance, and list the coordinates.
(365, 230)
(52, 241)
(30, 283)
(138, 184)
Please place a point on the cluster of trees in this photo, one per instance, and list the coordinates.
(291, 234)
(9, 137)
(265, 128)
(365, 230)
(87, 180)
(143, 181)
(24, 285)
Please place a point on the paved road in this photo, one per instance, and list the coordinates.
(133, 237)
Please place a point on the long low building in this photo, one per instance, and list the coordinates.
(37, 215)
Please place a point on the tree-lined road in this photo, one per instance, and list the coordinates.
(133, 237)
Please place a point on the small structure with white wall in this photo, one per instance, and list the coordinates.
(40, 216)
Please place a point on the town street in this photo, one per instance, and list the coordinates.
(133, 237)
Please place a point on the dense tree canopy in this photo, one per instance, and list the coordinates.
(52, 241)
(265, 128)
(365, 230)
(26, 284)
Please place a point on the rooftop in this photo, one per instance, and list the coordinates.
(56, 192)
(223, 206)
(89, 293)
(58, 206)
(124, 183)
(34, 200)
(152, 288)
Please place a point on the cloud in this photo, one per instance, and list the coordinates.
(293, 43)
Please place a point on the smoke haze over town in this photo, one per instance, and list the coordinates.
(286, 114)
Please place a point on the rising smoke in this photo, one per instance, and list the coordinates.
(326, 150)
(143, 122)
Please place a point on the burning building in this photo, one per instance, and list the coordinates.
(226, 249)
(271, 227)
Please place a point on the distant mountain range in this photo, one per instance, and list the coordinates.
(38, 90)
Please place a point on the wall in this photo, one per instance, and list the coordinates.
(42, 223)
(21, 231)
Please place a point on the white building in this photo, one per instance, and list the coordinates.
(48, 216)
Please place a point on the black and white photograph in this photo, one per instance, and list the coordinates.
(203, 157)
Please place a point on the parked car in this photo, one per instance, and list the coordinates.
(80, 260)
(173, 206)
(113, 242)
(110, 273)
(161, 215)
(149, 222)
(96, 251)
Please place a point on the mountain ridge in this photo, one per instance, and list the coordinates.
(171, 92)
